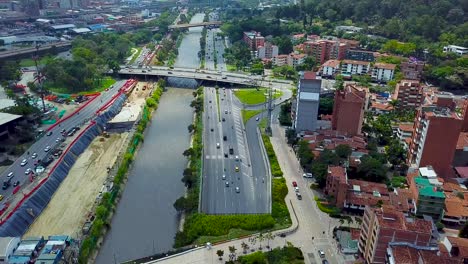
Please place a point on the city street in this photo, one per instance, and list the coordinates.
(52, 142)
(229, 187)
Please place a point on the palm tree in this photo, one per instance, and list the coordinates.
(261, 238)
(341, 221)
(269, 236)
(245, 247)
(232, 250)
(220, 254)
(349, 220)
(358, 220)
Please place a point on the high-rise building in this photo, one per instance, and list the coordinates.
(307, 102)
(434, 140)
(348, 110)
(323, 50)
(386, 226)
(409, 94)
(267, 51)
(254, 40)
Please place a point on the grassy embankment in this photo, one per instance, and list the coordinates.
(97, 87)
(255, 96)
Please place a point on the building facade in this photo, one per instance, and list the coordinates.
(385, 226)
(267, 51)
(412, 69)
(323, 50)
(348, 110)
(330, 68)
(383, 72)
(409, 94)
(352, 67)
(434, 139)
(253, 40)
(360, 55)
(308, 96)
(428, 193)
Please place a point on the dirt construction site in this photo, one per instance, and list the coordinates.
(76, 197)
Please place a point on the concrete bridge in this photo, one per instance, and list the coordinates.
(202, 24)
(27, 52)
(205, 75)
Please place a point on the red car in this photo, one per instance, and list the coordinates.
(294, 184)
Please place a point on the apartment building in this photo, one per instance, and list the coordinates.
(428, 193)
(386, 226)
(412, 69)
(360, 55)
(348, 109)
(351, 67)
(404, 131)
(409, 93)
(383, 72)
(307, 102)
(253, 40)
(280, 60)
(323, 50)
(330, 68)
(434, 139)
(456, 49)
(267, 51)
(296, 59)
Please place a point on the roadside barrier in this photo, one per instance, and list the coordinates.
(33, 203)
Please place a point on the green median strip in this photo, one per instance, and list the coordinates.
(247, 114)
(255, 96)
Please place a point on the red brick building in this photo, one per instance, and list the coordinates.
(409, 94)
(323, 50)
(434, 140)
(348, 110)
(382, 227)
(254, 40)
(412, 69)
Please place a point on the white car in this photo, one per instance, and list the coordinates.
(34, 155)
(307, 175)
(47, 149)
(223, 177)
(237, 190)
(27, 171)
(296, 189)
(24, 162)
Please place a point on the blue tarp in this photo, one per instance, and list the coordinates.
(25, 215)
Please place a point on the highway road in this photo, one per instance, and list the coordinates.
(209, 75)
(245, 191)
(209, 50)
(39, 146)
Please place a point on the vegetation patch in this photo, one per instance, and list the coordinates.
(247, 114)
(135, 55)
(331, 210)
(255, 96)
(288, 254)
(109, 200)
(99, 86)
(30, 62)
(274, 164)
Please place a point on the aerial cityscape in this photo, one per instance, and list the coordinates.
(222, 131)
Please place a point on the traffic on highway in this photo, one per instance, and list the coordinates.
(50, 145)
(229, 187)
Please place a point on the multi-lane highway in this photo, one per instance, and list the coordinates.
(76, 120)
(232, 184)
(208, 75)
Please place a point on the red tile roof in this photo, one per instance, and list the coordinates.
(386, 66)
(309, 75)
(389, 217)
(331, 63)
(337, 171)
(462, 140)
(462, 171)
(407, 127)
